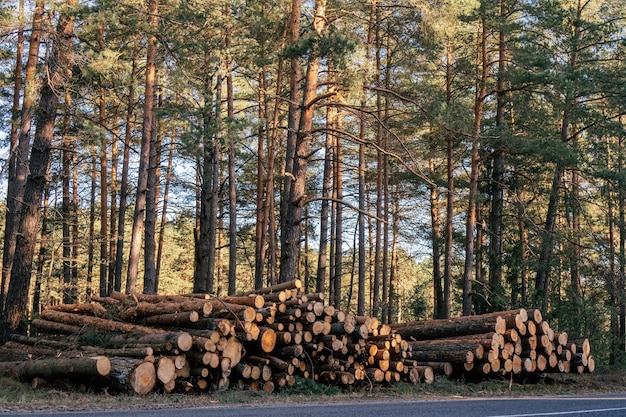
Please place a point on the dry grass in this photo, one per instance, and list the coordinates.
(17, 396)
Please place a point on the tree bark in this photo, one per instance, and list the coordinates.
(121, 215)
(474, 172)
(497, 175)
(18, 157)
(60, 59)
(449, 225)
(296, 197)
(66, 209)
(10, 220)
(104, 226)
(166, 194)
(144, 156)
(150, 282)
(293, 122)
(43, 251)
(232, 181)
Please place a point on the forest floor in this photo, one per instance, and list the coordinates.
(21, 397)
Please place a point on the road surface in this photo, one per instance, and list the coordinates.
(566, 406)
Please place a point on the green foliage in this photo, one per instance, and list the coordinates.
(332, 45)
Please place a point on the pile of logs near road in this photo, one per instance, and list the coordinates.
(263, 341)
(503, 343)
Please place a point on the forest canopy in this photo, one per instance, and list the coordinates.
(411, 159)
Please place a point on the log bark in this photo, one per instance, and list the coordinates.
(58, 368)
(165, 341)
(96, 322)
(462, 326)
(48, 326)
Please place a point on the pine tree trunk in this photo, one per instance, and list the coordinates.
(322, 259)
(150, 283)
(497, 175)
(18, 170)
(121, 215)
(435, 222)
(232, 182)
(144, 155)
(166, 194)
(474, 172)
(379, 176)
(92, 224)
(261, 198)
(10, 219)
(338, 263)
(113, 213)
(206, 244)
(296, 197)
(66, 211)
(74, 214)
(60, 58)
(104, 212)
(362, 167)
(385, 195)
(293, 121)
(43, 251)
(449, 225)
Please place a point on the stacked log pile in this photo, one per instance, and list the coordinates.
(508, 343)
(265, 340)
(261, 341)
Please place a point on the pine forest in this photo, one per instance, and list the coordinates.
(410, 159)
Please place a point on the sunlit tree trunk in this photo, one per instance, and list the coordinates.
(166, 196)
(121, 215)
(144, 157)
(474, 171)
(322, 262)
(376, 299)
(362, 167)
(449, 225)
(232, 181)
(295, 200)
(338, 186)
(261, 198)
(20, 144)
(60, 59)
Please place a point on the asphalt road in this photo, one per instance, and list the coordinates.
(568, 406)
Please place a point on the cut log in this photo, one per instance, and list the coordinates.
(180, 319)
(93, 309)
(289, 285)
(137, 352)
(166, 370)
(255, 300)
(436, 329)
(58, 368)
(233, 350)
(165, 341)
(135, 374)
(456, 356)
(144, 309)
(96, 322)
(53, 327)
